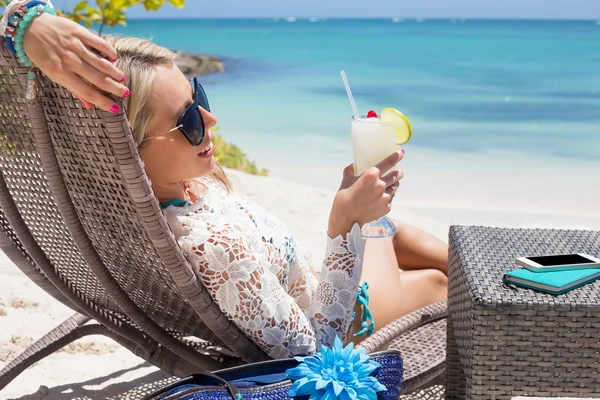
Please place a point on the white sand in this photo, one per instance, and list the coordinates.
(433, 196)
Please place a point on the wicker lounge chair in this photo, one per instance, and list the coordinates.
(79, 218)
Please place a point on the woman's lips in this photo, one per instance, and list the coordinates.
(210, 150)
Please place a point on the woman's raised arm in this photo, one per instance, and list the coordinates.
(72, 56)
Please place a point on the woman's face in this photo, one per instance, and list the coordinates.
(170, 158)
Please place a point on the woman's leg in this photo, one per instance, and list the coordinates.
(392, 292)
(416, 249)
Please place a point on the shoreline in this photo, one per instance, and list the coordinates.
(316, 19)
(485, 181)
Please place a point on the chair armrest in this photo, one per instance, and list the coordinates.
(382, 337)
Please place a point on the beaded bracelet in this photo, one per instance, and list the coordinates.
(16, 27)
(32, 12)
(13, 20)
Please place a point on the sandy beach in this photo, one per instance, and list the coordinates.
(432, 198)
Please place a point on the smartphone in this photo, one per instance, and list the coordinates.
(559, 262)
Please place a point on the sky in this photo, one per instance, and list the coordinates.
(494, 9)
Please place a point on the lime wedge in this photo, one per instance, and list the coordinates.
(403, 129)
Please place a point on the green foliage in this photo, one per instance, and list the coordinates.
(111, 12)
(231, 156)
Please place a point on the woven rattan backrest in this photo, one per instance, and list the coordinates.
(14, 250)
(110, 219)
(76, 134)
(124, 230)
(25, 180)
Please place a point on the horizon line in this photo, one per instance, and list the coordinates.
(421, 19)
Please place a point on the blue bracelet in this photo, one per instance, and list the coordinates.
(10, 45)
(13, 22)
(35, 3)
(368, 322)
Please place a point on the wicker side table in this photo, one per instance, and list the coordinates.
(504, 341)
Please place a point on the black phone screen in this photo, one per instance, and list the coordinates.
(563, 259)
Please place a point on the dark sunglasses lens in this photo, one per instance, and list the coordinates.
(201, 96)
(193, 125)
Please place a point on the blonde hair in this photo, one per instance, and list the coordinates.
(138, 59)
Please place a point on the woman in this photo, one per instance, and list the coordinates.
(247, 259)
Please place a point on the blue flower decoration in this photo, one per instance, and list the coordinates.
(337, 373)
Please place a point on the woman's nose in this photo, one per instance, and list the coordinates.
(209, 119)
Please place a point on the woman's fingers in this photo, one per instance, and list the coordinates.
(391, 190)
(99, 72)
(349, 170)
(100, 80)
(97, 58)
(90, 93)
(98, 44)
(390, 161)
(103, 66)
(393, 177)
(86, 104)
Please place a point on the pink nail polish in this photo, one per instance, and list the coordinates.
(127, 93)
(402, 151)
(122, 79)
(115, 109)
(113, 61)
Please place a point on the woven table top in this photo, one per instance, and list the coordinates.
(484, 254)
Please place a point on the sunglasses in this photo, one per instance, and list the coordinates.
(191, 123)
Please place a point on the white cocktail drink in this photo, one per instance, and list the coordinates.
(372, 141)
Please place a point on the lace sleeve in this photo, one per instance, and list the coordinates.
(334, 298)
(237, 269)
(11, 7)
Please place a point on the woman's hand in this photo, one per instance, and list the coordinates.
(74, 57)
(366, 197)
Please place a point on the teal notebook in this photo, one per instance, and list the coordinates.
(553, 282)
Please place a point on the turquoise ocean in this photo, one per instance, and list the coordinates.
(530, 88)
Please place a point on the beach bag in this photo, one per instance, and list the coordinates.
(332, 373)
